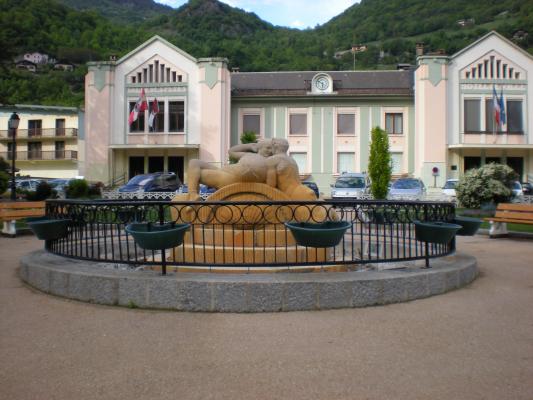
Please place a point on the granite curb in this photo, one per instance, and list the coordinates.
(85, 281)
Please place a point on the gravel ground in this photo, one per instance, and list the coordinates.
(473, 343)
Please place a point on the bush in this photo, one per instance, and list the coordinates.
(379, 164)
(43, 192)
(4, 182)
(77, 188)
(248, 137)
(490, 184)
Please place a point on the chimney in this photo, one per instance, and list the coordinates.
(112, 57)
(235, 69)
(419, 49)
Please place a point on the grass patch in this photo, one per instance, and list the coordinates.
(486, 225)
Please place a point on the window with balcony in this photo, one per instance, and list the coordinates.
(137, 125)
(345, 162)
(60, 127)
(158, 123)
(394, 123)
(35, 127)
(514, 116)
(34, 150)
(251, 123)
(472, 111)
(346, 124)
(60, 150)
(298, 124)
(176, 116)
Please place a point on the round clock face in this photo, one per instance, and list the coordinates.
(322, 83)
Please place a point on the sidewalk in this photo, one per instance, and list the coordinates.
(473, 343)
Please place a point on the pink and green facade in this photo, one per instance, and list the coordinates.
(437, 114)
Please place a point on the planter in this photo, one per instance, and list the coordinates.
(435, 232)
(469, 226)
(49, 229)
(325, 234)
(157, 237)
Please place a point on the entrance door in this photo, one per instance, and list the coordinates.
(136, 166)
(175, 164)
(496, 160)
(517, 164)
(472, 162)
(156, 164)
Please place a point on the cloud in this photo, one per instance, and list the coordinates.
(297, 24)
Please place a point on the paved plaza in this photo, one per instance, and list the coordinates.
(472, 343)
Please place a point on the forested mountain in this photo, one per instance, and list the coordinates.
(209, 28)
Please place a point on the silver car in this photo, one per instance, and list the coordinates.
(407, 188)
(349, 186)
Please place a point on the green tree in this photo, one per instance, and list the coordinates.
(248, 137)
(379, 163)
(4, 179)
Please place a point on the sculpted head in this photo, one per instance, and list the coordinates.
(280, 146)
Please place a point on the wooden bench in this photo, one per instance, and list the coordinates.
(509, 213)
(11, 212)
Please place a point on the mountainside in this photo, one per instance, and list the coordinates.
(122, 11)
(388, 29)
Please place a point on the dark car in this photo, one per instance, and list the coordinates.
(204, 191)
(527, 188)
(156, 182)
(313, 186)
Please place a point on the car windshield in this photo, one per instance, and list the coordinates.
(140, 180)
(450, 185)
(352, 182)
(406, 184)
(517, 186)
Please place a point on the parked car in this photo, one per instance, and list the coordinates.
(155, 182)
(349, 186)
(517, 190)
(204, 191)
(527, 188)
(411, 188)
(449, 187)
(60, 186)
(313, 186)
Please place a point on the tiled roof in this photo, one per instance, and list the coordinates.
(363, 83)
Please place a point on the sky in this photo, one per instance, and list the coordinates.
(300, 14)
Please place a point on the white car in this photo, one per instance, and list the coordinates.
(449, 187)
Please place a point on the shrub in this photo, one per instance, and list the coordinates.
(490, 184)
(77, 188)
(248, 137)
(4, 182)
(379, 163)
(43, 192)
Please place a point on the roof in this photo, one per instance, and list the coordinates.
(491, 33)
(364, 83)
(155, 38)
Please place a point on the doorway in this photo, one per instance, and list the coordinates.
(175, 164)
(517, 164)
(136, 166)
(156, 164)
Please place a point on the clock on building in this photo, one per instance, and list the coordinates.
(322, 83)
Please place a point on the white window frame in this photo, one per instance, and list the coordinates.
(252, 111)
(288, 121)
(306, 169)
(396, 110)
(167, 115)
(337, 160)
(346, 110)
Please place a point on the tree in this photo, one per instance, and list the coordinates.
(490, 184)
(248, 137)
(379, 163)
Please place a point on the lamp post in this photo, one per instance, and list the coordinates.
(13, 125)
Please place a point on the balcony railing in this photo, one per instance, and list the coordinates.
(40, 133)
(41, 155)
(497, 132)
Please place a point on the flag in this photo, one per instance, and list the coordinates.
(502, 108)
(153, 113)
(139, 106)
(495, 110)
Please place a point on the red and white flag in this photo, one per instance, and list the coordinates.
(153, 113)
(140, 106)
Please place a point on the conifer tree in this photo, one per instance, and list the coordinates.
(379, 163)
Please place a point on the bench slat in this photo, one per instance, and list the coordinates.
(22, 204)
(515, 207)
(17, 214)
(514, 215)
(512, 221)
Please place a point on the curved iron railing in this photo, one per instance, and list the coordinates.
(248, 234)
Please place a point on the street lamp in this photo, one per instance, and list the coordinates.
(13, 125)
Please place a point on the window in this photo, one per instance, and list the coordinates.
(471, 162)
(396, 160)
(251, 123)
(60, 127)
(472, 113)
(298, 124)
(514, 116)
(158, 124)
(60, 150)
(34, 127)
(34, 150)
(394, 123)
(345, 162)
(345, 124)
(10, 151)
(301, 160)
(176, 116)
(137, 125)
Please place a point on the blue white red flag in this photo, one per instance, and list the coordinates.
(495, 109)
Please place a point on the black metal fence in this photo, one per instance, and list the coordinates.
(248, 234)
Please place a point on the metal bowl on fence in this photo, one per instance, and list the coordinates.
(435, 232)
(469, 226)
(49, 229)
(150, 236)
(325, 234)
